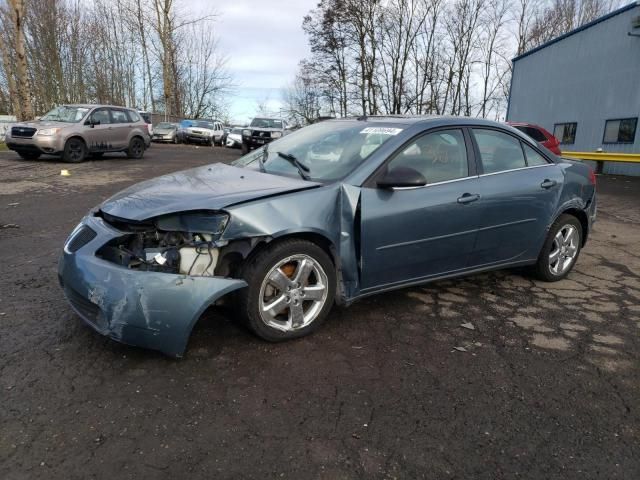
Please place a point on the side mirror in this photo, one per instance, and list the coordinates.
(93, 123)
(402, 177)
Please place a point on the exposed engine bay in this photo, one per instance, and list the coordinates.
(150, 248)
(170, 252)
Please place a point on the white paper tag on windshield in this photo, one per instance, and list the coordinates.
(382, 130)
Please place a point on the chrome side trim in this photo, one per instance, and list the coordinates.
(516, 170)
(437, 183)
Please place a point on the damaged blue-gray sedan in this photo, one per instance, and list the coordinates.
(326, 215)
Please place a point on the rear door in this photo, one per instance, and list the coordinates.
(520, 190)
(414, 233)
(120, 128)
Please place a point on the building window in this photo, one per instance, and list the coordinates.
(565, 132)
(620, 131)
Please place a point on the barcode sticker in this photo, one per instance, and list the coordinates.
(382, 130)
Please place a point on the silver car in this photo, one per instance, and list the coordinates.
(74, 132)
(165, 132)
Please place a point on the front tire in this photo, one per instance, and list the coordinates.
(560, 250)
(75, 151)
(136, 148)
(291, 289)
(245, 148)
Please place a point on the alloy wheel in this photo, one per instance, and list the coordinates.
(293, 293)
(563, 249)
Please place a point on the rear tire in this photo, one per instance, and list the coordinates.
(136, 148)
(297, 279)
(75, 151)
(560, 250)
(29, 155)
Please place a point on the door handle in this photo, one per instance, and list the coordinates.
(548, 184)
(468, 198)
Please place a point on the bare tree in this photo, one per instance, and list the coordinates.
(22, 86)
(303, 99)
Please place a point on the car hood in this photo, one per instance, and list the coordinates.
(41, 124)
(211, 187)
(198, 129)
(265, 129)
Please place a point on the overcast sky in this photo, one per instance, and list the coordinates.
(264, 42)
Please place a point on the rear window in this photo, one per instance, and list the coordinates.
(119, 116)
(133, 116)
(533, 132)
(499, 151)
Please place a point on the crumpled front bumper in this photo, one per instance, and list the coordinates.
(147, 309)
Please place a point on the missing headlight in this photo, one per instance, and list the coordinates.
(171, 252)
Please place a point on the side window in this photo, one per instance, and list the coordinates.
(438, 156)
(119, 116)
(100, 116)
(499, 151)
(533, 157)
(133, 116)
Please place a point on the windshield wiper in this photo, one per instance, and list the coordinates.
(301, 167)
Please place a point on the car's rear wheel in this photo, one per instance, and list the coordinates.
(561, 249)
(29, 155)
(291, 289)
(136, 148)
(75, 151)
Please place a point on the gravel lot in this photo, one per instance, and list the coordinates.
(548, 387)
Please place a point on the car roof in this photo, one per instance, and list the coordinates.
(426, 120)
(93, 105)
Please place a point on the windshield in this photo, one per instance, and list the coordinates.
(165, 125)
(266, 123)
(330, 150)
(66, 114)
(201, 124)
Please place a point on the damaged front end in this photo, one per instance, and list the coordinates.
(181, 243)
(146, 283)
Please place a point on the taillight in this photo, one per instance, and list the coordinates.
(592, 177)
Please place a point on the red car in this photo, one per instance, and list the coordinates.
(539, 134)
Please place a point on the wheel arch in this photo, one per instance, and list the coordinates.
(234, 255)
(582, 217)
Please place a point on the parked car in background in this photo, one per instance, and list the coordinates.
(182, 127)
(165, 132)
(539, 134)
(203, 131)
(226, 132)
(146, 116)
(384, 203)
(234, 138)
(74, 132)
(262, 131)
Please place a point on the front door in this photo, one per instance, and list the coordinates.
(98, 131)
(409, 234)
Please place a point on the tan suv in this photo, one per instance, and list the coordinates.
(77, 131)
